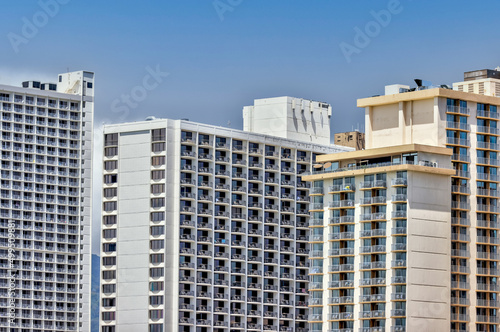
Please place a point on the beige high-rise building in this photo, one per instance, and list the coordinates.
(404, 234)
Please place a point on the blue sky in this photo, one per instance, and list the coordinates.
(260, 48)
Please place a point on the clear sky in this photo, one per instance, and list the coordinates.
(222, 54)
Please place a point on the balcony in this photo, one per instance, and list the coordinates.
(372, 314)
(398, 280)
(317, 191)
(398, 263)
(487, 146)
(457, 109)
(486, 287)
(398, 214)
(398, 313)
(457, 126)
(399, 182)
(372, 265)
(487, 130)
(460, 253)
(203, 322)
(457, 141)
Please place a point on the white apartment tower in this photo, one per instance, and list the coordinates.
(206, 228)
(45, 204)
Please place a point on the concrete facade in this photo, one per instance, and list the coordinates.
(206, 229)
(467, 124)
(291, 118)
(380, 239)
(46, 204)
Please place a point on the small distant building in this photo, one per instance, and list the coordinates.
(484, 82)
(353, 139)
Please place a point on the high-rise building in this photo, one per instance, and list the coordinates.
(408, 228)
(206, 228)
(45, 211)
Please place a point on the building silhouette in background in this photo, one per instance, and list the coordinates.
(352, 139)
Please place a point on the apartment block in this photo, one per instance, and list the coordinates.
(420, 124)
(380, 235)
(45, 204)
(206, 228)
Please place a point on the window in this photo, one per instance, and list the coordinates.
(157, 216)
(107, 261)
(109, 275)
(156, 286)
(111, 152)
(158, 135)
(158, 147)
(157, 188)
(60, 78)
(158, 175)
(110, 192)
(157, 230)
(156, 258)
(157, 202)
(110, 139)
(110, 288)
(109, 247)
(110, 165)
(158, 160)
(155, 327)
(155, 300)
(156, 272)
(110, 178)
(110, 315)
(108, 302)
(109, 206)
(109, 220)
(89, 85)
(109, 233)
(157, 244)
(108, 329)
(156, 314)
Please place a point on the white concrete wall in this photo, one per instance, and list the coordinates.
(291, 118)
(133, 232)
(428, 252)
